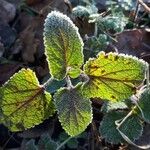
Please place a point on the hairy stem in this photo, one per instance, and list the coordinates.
(96, 30)
(118, 123)
(147, 76)
(69, 83)
(63, 143)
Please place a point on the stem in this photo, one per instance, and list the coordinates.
(125, 118)
(69, 83)
(126, 138)
(147, 76)
(96, 30)
(48, 83)
(147, 9)
(63, 143)
(136, 11)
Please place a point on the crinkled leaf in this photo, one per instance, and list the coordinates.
(144, 103)
(74, 110)
(63, 44)
(109, 106)
(113, 76)
(24, 102)
(132, 127)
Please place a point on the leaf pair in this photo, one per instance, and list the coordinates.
(111, 76)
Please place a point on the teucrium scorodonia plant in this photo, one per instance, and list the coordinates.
(112, 77)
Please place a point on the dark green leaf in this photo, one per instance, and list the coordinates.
(144, 103)
(132, 127)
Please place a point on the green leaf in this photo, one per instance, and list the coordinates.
(30, 145)
(46, 143)
(144, 103)
(55, 85)
(1, 116)
(80, 11)
(72, 143)
(63, 44)
(113, 76)
(24, 102)
(74, 111)
(109, 106)
(132, 127)
(74, 72)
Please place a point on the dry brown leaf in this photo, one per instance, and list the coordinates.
(30, 44)
(134, 42)
(7, 70)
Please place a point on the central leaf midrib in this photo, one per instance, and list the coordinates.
(65, 48)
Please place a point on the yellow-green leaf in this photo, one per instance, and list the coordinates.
(63, 45)
(24, 102)
(113, 76)
(74, 110)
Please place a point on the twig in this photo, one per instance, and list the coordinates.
(69, 83)
(136, 11)
(147, 9)
(147, 76)
(96, 134)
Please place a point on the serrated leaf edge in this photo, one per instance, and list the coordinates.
(24, 69)
(116, 54)
(58, 91)
(66, 18)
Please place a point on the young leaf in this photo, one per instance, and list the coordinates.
(132, 127)
(113, 76)
(144, 103)
(63, 44)
(109, 106)
(74, 111)
(24, 102)
(46, 143)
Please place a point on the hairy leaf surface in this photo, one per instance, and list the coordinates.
(24, 102)
(144, 103)
(74, 111)
(63, 45)
(109, 106)
(113, 76)
(132, 127)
